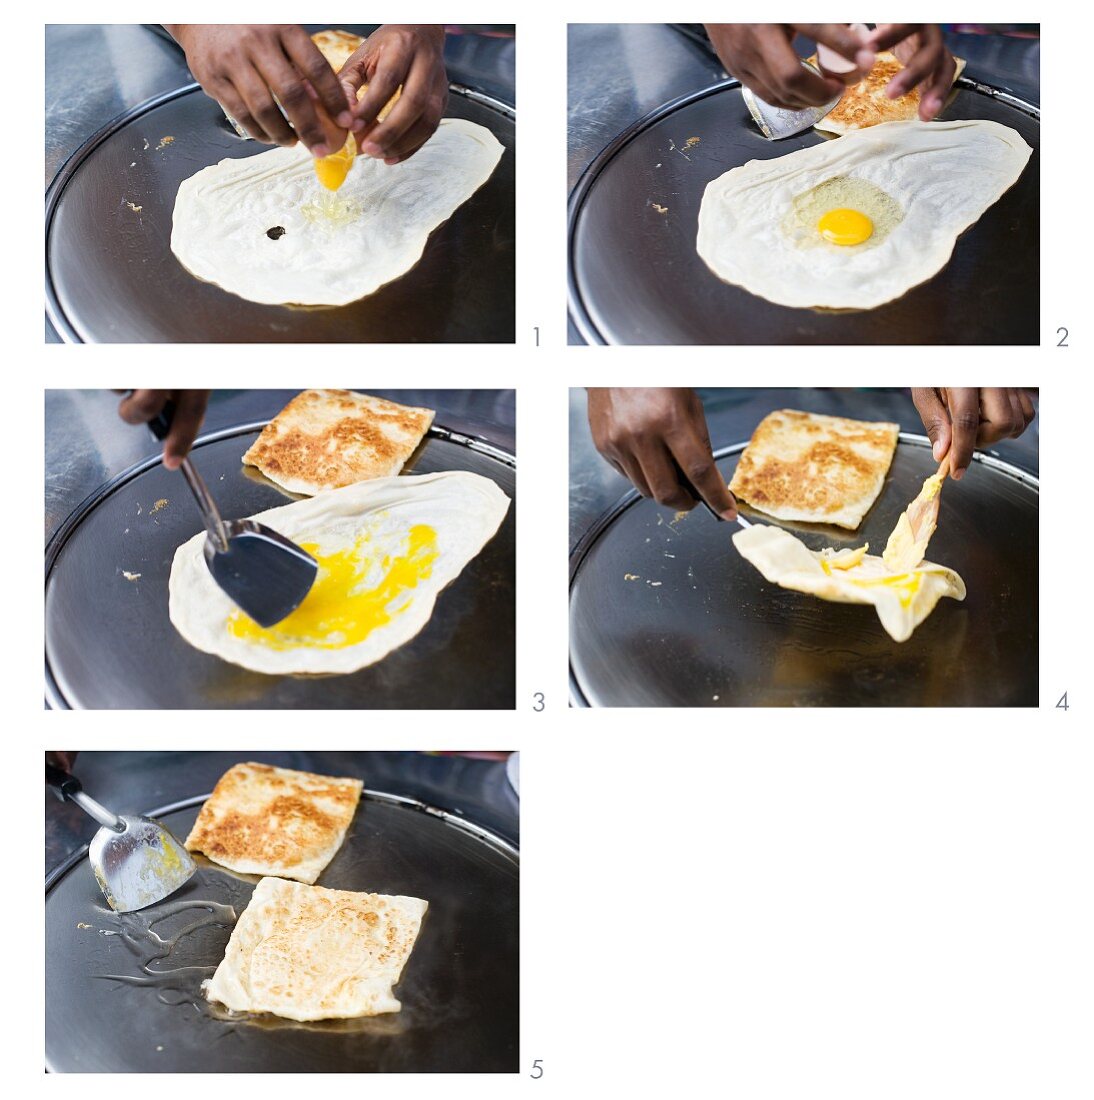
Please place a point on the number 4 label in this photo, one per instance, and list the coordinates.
(1062, 702)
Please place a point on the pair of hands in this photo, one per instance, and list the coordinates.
(761, 56)
(647, 433)
(245, 66)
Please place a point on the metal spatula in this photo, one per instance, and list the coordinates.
(776, 123)
(687, 483)
(262, 572)
(136, 861)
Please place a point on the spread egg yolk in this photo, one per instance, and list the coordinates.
(340, 610)
(845, 227)
(332, 170)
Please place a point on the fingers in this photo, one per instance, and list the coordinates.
(279, 74)
(1003, 415)
(660, 475)
(311, 64)
(934, 91)
(189, 413)
(390, 68)
(794, 85)
(928, 59)
(260, 106)
(886, 35)
(964, 410)
(1028, 411)
(846, 42)
(936, 420)
(142, 405)
(697, 461)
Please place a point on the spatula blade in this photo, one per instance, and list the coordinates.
(265, 574)
(140, 865)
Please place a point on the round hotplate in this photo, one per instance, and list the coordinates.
(112, 1005)
(110, 643)
(665, 612)
(111, 275)
(636, 278)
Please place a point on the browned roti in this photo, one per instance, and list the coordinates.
(865, 103)
(325, 439)
(820, 469)
(262, 820)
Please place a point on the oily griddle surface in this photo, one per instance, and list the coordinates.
(636, 278)
(700, 626)
(112, 277)
(110, 643)
(459, 989)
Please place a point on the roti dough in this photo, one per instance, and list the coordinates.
(386, 548)
(308, 953)
(263, 227)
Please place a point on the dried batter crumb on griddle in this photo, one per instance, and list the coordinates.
(161, 503)
(631, 577)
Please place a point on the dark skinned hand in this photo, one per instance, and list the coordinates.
(762, 57)
(927, 63)
(62, 760)
(140, 406)
(411, 55)
(959, 420)
(641, 431)
(243, 66)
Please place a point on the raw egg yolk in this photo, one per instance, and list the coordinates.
(905, 584)
(332, 170)
(340, 611)
(845, 227)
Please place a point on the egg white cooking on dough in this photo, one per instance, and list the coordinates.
(855, 222)
(385, 549)
(264, 227)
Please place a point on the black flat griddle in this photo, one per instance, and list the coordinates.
(459, 989)
(636, 278)
(701, 627)
(110, 643)
(111, 275)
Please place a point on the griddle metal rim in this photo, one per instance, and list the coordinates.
(576, 306)
(632, 497)
(55, 700)
(477, 831)
(68, 170)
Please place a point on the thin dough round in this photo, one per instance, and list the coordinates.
(264, 227)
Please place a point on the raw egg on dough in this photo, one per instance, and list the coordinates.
(356, 590)
(332, 170)
(843, 211)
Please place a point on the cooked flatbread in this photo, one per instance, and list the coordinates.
(262, 820)
(308, 953)
(865, 103)
(325, 439)
(820, 469)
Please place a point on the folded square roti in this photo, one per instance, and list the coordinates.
(327, 439)
(866, 104)
(308, 953)
(262, 820)
(820, 469)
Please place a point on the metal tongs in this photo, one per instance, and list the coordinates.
(265, 574)
(136, 860)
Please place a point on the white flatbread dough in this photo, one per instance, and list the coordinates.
(902, 600)
(463, 509)
(308, 953)
(336, 247)
(937, 179)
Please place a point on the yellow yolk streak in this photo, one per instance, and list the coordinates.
(845, 227)
(332, 170)
(339, 611)
(906, 585)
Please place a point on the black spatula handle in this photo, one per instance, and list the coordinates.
(63, 783)
(160, 424)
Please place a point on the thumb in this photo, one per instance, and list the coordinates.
(936, 419)
(843, 40)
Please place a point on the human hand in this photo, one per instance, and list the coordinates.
(641, 432)
(62, 760)
(958, 420)
(243, 66)
(140, 406)
(761, 56)
(408, 54)
(927, 63)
